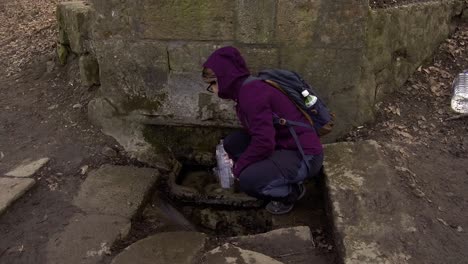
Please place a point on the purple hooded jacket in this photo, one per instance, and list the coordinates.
(257, 101)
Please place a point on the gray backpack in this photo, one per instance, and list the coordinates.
(292, 84)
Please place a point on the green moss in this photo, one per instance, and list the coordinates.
(135, 102)
(62, 53)
(184, 142)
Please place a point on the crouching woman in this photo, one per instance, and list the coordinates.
(267, 160)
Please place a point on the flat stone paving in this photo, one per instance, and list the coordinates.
(17, 182)
(11, 189)
(292, 245)
(108, 198)
(28, 168)
(230, 254)
(164, 248)
(289, 245)
(368, 211)
(86, 239)
(115, 190)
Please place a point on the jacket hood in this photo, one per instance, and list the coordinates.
(230, 69)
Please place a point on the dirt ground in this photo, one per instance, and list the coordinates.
(43, 114)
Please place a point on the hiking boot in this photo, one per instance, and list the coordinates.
(279, 208)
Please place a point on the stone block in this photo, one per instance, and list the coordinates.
(184, 20)
(256, 21)
(87, 239)
(187, 102)
(62, 53)
(11, 189)
(62, 34)
(400, 39)
(296, 21)
(464, 15)
(115, 190)
(342, 25)
(28, 168)
(89, 70)
(228, 253)
(132, 69)
(189, 57)
(164, 248)
(114, 18)
(258, 59)
(290, 245)
(368, 209)
(74, 25)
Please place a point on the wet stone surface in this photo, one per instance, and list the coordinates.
(198, 185)
(191, 200)
(225, 222)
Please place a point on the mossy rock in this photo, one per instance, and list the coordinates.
(189, 144)
(62, 53)
(133, 103)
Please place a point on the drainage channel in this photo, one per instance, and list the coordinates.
(190, 199)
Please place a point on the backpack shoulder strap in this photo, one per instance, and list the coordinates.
(289, 124)
(274, 84)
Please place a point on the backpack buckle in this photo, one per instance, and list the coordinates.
(282, 121)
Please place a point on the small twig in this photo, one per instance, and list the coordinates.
(456, 117)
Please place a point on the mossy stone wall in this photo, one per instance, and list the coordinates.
(150, 54)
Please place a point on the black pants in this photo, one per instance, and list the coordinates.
(276, 177)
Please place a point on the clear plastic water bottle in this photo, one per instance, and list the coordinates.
(460, 93)
(224, 169)
(310, 100)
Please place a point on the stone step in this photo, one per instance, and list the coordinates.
(28, 168)
(164, 248)
(108, 199)
(229, 253)
(86, 239)
(289, 245)
(115, 190)
(11, 189)
(366, 206)
(286, 245)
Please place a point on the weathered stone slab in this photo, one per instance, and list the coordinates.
(399, 39)
(206, 20)
(341, 25)
(235, 255)
(297, 29)
(28, 168)
(134, 70)
(74, 25)
(115, 190)
(256, 21)
(86, 239)
(295, 242)
(368, 211)
(188, 56)
(260, 58)
(164, 248)
(11, 189)
(212, 195)
(115, 19)
(89, 70)
(464, 16)
(62, 53)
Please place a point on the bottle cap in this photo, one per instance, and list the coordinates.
(305, 93)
